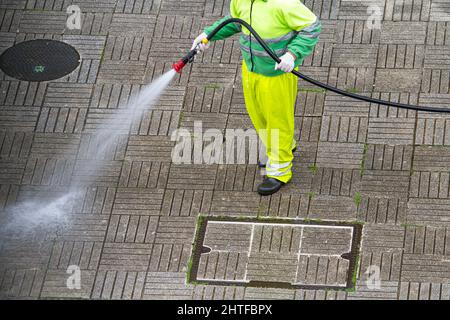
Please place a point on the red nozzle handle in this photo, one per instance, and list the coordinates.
(183, 62)
(178, 66)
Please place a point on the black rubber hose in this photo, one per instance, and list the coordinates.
(320, 84)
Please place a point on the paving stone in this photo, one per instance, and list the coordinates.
(354, 56)
(388, 291)
(432, 212)
(425, 268)
(55, 285)
(22, 283)
(385, 184)
(424, 291)
(218, 293)
(129, 201)
(125, 257)
(339, 155)
(344, 208)
(390, 131)
(15, 93)
(388, 157)
(401, 56)
(399, 80)
(439, 11)
(336, 182)
(403, 32)
(166, 285)
(53, 22)
(127, 285)
(131, 24)
(378, 210)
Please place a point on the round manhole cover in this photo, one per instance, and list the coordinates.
(39, 60)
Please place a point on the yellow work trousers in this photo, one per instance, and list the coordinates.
(270, 103)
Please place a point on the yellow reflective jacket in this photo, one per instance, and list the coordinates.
(286, 25)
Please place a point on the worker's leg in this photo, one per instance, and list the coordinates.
(250, 81)
(276, 98)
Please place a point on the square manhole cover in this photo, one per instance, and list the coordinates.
(276, 253)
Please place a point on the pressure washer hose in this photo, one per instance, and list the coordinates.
(189, 58)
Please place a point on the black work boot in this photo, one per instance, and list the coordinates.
(269, 186)
(263, 165)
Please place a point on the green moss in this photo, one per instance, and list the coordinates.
(352, 90)
(362, 166)
(313, 168)
(311, 195)
(200, 221)
(312, 90)
(410, 225)
(357, 198)
(354, 275)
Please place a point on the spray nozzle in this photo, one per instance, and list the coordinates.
(183, 62)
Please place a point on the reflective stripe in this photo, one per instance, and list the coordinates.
(312, 27)
(279, 52)
(287, 36)
(308, 35)
(277, 166)
(275, 173)
(278, 170)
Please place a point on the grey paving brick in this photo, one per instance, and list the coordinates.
(385, 184)
(125, 257)
(166, 285)
(131, 24)
(432, 212)
(129, 72)
(55, 285)
(137, 201)
(431, 158)
(391, 131)
(186, 202)
(344, 129)
(423, 291)
(407, 55)
(10, 20)
(403, 32)
(15, 93)
(387, 291)
(354, 55)
(218, 293)
(388, 157)
(339, 155)
(344, 208)
(424, 268)
(378, 210)
(343, 106)
(53, 22)
(127, 285)
(139, 7)
(399, 80)
(440, 11)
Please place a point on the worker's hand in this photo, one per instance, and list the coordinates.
(287, 63)
(198, 41)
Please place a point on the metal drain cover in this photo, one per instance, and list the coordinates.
(275, 253)
(39, 60)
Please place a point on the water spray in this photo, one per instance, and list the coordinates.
(190, 58)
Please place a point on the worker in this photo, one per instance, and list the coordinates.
(270, 89)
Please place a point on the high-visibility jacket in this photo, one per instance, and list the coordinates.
(286, 25)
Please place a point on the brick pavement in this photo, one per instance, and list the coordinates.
(131, 231)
